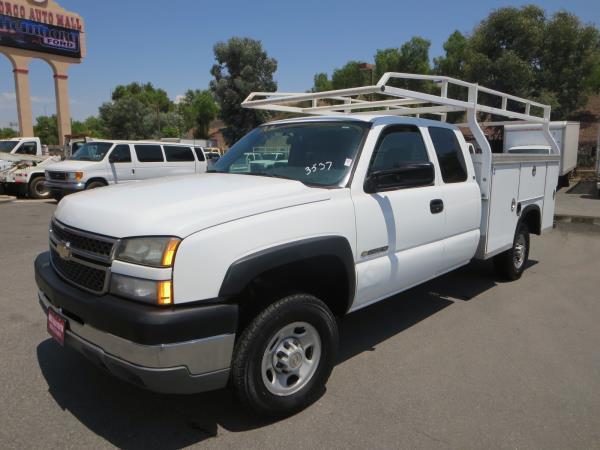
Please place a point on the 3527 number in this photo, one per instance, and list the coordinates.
(318, 167)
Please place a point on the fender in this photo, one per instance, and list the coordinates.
(244, 270)
(534, 228)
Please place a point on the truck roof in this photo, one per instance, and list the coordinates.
(384, 119)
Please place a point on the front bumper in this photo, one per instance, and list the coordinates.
(64, 187)
(179, 363)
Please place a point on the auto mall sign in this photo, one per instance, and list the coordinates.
(41, 11)
(40, 26)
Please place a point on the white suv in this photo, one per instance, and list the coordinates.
(100, 163)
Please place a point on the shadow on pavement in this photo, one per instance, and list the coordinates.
(130, 418)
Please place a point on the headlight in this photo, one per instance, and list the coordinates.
(74, 176)
(149, 251)
(147, 291)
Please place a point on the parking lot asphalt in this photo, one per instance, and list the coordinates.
(464, 361)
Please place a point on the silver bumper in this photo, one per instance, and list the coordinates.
(67, 186)
(180, 368)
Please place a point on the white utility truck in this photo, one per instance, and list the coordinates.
(18, 149)
(180, 284)
(99, 163)
(26, 177)
(526, 138)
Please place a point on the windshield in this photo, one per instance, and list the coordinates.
(92, 151)
(7, 146)
(315, 153)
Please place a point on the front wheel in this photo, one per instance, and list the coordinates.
(95, 185)
(285, 355)
(511, 263)
(37, 189)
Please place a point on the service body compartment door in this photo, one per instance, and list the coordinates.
(532, 182)
(502, 220)
(552, 171)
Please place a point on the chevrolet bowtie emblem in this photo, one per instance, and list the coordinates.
(64, 250)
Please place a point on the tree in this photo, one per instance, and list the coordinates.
(411, 57)
(146, 94)
(198, 108)
(523, 52)
(350, 75)
(242, 67)
(46, 128)
(91, 127)
(7, 133)
(127, 118)
(321, 83)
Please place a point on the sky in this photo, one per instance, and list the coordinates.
(170, 43)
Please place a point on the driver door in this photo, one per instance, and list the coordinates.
(400, 231)
(121, 168)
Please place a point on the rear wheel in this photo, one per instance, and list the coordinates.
(511, 263)
(37, 189)
(284, 357)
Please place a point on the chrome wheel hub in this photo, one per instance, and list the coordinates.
(291, 358)
(519, 251)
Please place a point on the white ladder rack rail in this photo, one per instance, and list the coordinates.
(407, 102)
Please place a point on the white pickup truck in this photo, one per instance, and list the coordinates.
(100, 163)
(183, 283)
(17, 149)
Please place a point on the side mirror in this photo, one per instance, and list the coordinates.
(405, 176)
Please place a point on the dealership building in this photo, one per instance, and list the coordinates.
(41, 29)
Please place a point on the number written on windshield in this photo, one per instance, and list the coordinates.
(318, 167)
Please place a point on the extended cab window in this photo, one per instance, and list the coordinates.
(121, 154)
(449, 154)
(398, 146)
(314, 153)
(199, 154)
(175, 153)
(149, 153)
(28, 148)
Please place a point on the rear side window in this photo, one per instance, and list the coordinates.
(121, 154)
(149, 153)
(449, 154)
(199, 153)
(176, 153)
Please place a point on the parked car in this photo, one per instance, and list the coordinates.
(182, 284)
(103, 162)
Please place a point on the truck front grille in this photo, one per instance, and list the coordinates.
(81, 258)
(96, 245)
(57, 175)
(90, 278)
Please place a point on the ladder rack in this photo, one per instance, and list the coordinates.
(400, 101)
(383, 98)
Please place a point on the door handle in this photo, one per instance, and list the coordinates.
(133, 171)
(436, 206)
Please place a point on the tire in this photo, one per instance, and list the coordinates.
(56, 195)
(511, 263)
(283, 332)
(94, 185)
(37, 189)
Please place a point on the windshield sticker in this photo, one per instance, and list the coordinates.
(318, 167)
(348, 162)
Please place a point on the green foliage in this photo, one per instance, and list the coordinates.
(523, 52)
(146, 94)
(242, 67)
(321, 83)
(91, 127)
(350, 75)
(46, 128)
(7, 133)
(198, 108)
(127, 118)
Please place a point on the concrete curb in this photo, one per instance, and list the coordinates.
(588, 220)
(7, 199)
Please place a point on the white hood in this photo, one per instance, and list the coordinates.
(71, 165)
(180, 206)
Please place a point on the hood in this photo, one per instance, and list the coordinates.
(73, 166)
(180, 206)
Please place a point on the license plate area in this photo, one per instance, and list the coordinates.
(56, 326)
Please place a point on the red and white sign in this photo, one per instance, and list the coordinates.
(56, 326)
